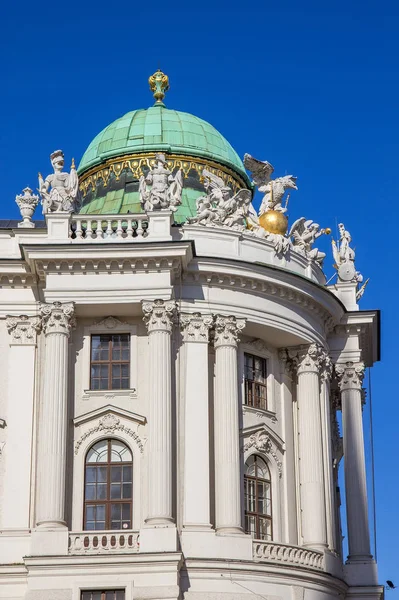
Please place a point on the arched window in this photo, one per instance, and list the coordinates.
(258, 499)
(108, 486)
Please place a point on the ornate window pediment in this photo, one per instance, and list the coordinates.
(109, 420)
(264, 440)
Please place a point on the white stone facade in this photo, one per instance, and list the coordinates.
(193, 302)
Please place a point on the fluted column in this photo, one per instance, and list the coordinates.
(195, 330)
(57, 321)
(159, 317)
(308, 360)
(227, 455)
(350, 377)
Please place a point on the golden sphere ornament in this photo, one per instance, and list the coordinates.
(327, 230)
(274, 221)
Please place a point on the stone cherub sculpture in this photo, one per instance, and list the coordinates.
(344, 257)
(160, 189)
(59, 191)
(273, 189)
(220, 206)
(304, 234)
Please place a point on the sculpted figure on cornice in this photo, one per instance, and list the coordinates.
(273, 189)
(160, 189)
(220, 207)
(304, 234)
(344, 257)
(59, 191)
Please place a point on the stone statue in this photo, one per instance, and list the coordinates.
(344, 257)
(220, 206)
(159, 189)
(304, 234)
(59, 191)
(273, 189)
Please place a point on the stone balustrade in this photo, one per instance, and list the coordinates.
(104, 542)
(289, 555)
(109, 227)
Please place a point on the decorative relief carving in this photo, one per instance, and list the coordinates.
(350, 375)
(262, 443)
(258, 345)
(58, 317)
(108, 323)
(159, 315)
(2, 444)
(196, 327)
(227, 330)
(23, 329)
(109, 424)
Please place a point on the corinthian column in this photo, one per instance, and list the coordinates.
(309, 360)
(159, 317)
(350, 377)
(57, 321)
(195, 329)
(227, 454)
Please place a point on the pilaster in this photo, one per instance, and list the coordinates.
(227, 461)
(195, 331)
(23, 332)
(159, 316)
(309, 361)
(350, 377)
(57, 321)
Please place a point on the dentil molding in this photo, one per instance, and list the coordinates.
(23, 329)
(350, 375)
(227, 330)
(57, 317)
(159, 315)
(195, 327)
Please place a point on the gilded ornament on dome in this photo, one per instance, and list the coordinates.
(159, 85)
(274, 221)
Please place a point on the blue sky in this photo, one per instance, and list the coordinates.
(310, 86)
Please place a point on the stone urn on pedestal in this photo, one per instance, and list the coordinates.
(27, 203)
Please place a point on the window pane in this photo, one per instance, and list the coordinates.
(91, 474)
(115, 491)
(127, 491)
(90, 491)
(101, 491)
(120, 452)
(120, 595)
(102, 474)
(116, 474)
(127, 473)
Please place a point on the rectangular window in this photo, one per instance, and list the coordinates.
(110, 362)
(255, 374)
(103, 595)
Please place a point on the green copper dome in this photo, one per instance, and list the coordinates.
(110, 169)
(160, 129)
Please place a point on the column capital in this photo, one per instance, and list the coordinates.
(159, 315)
(58, 317)
(227, 330)
(350, 375)
(23, 329)
(195, 327)
(310, 358)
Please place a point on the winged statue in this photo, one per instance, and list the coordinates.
(273, 189)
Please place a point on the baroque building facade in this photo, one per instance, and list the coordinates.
(172, 365)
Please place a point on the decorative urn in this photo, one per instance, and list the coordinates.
(274, 221)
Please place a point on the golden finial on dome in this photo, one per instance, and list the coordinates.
(159, 85)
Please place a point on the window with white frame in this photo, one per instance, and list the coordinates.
(258, 499)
